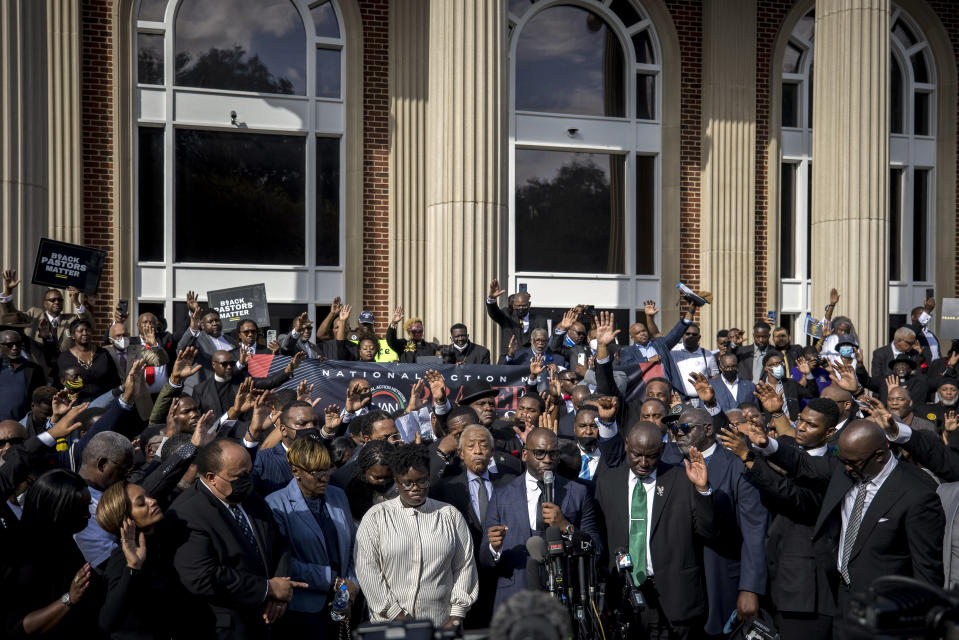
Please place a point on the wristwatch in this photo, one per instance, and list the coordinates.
(65, 599)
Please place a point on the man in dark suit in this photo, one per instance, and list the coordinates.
(518, 511)
(904, 342)
(18, 377)
(517, 320)
(218, 393)
(804, 598)
(731, 387)
(470, 491)
(789, 352)
(271, 470)
(49, 323)
(149, 333)
(662, 519)
(595, 452)
(230, 554)
(735, 561)
(538, 346)
(919, 322)
(206, 334)
(879, 516)
(751, 356)
(246, 334)
(462, 350)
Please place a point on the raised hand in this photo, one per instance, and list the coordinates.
(183, 366)
(929, 304)
(608, 406)
(703, 389)
(243, 401)
(546, 421)
(304, 391)
(203, 433)
(345, 312)
(803, 365)
(133, 382)
(195, 317)
(10, 281)
(295, 362)
(437, 386)
(416, 396)
(536, 365)
(336, 306)
(300, 321)
(397, 315)
(513, 346)
(68, 424)
(170, 428)
(880, 415)
(494, 290)
(355, 400)
(74, 294)
(833, 297)
(79, 584)
(331, 419)
(134, 548)
(274, 347)
(262, 414)
(149, 335)
(844, 376)
(61, 403)
(771, 401)
(734, 441)
(892, 382)
(568, 319)
(696, 470)
(605, 333)
(649, 307)
(755, 432)
(950, 422)
(191, 302)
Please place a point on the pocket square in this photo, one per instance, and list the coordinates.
(881, 520)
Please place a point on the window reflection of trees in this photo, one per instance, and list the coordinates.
(229, 69)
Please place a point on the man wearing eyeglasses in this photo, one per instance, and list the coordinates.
(18, 377)
(49, 323)
(271, 470)
(904, 343)
(736, 561)
(518, 511)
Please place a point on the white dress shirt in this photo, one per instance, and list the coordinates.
(924, 319)
(649, 483)
(532, 499)
(593, 463)
(849, 501)
(699, 361)
(733, 386)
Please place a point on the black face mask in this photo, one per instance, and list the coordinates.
(240, 489)
(312, 432)
(730, 375)
(588, 444)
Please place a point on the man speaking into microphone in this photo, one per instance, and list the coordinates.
(662, 516)
(521, 510)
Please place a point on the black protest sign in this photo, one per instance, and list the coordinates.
(949, 319)
(62, 265)
(237, 303)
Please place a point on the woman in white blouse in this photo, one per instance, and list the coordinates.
(413, 555)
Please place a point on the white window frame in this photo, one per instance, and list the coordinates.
(172, 107)
(627, 137)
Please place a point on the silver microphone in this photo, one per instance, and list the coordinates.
(548, 487)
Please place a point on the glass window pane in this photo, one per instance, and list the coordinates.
(518, 7)
(328, 73)
(919, 71)
(327, 202)
(150, 58)
(260, 48)
(808, 220)
(895, 96)
(560, 194)
(643, 44)
(239, 197)
(152, 10)
(645, 96)
(920, 203)
(787, 221)
(150, 222)
(569, 61)
(904, 33)
(645, 215)
(806, 26)
(921, 114)
(895, 224)
(324, 20)
(625, 11)
(810, 86)
(790, 111)
(791, 58)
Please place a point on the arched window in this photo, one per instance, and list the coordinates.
(912, 156)
(585, 139)
(240, 108)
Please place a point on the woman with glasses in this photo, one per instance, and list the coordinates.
(97, 369)
(414, 556)
(315, 518)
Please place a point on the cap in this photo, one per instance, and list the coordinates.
(674, 412)
(366, 317)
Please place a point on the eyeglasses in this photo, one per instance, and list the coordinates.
(857, 465)
(540, 454)
(319, 474)
(10, 345)
(10, 441)
(53, 300)
(394, 437)
(228, 363)
(247, 331)
(684, 428)
(422, 484)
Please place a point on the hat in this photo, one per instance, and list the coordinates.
(902, 358)
(674, 412)
(366, 317)
(474, 390)
(847, 338)
(943, 380)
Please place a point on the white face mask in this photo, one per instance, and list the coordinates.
(778, 372)
(459, 348)
(121, 343)
(593, 344)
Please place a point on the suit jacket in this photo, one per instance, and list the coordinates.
(682, 519)
(134, 352)
(725, 400)
(216, 564)
(508, 507)
(523, 356)
(663, 345)
(207, 398)
(736, 560)
(165, 340)
(472, 354)
(271, 471)
(949, 495)
(206, 348)
(9, 314)
(924, 342)
(309, 561)
(510, 325)
(746, 354)
(881, 358)
(901, 531)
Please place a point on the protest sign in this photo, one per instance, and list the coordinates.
(949, 319)
(237, 303)
(61, 265)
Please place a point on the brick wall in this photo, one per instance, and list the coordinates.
(96, 131)
(688, 17)
(376, 151)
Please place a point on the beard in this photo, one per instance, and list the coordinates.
(587, 444)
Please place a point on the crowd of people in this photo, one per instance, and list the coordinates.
(152, 487)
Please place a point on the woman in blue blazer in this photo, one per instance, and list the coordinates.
(315, 519)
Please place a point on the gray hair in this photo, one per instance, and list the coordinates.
(107, 444)
(904, 332)
(538, 330)
(476, 427)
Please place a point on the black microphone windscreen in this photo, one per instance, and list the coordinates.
(553, 534)
(536, 548)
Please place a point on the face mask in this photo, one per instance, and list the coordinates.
(568, 342)
(730, 375)
(312, 432)
(74, 385)
(459, 348)
(778, 372)
(587, 444)
(121, 343)
(846, 351)
(240, 489)
(593, 344)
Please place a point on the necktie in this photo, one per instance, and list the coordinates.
(540, 523)
(637, 533)
(482, 498)
(584, 469)
(852, 530)
(122, 357)
(244, 526)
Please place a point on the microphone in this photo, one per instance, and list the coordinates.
(556, 550)
(536, 548)
(625, 565)
(548, 487)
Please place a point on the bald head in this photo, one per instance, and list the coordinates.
(224, 365)
(863, 448)
(11, 433)
(644, 446)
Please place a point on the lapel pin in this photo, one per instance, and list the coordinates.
(659, 491)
